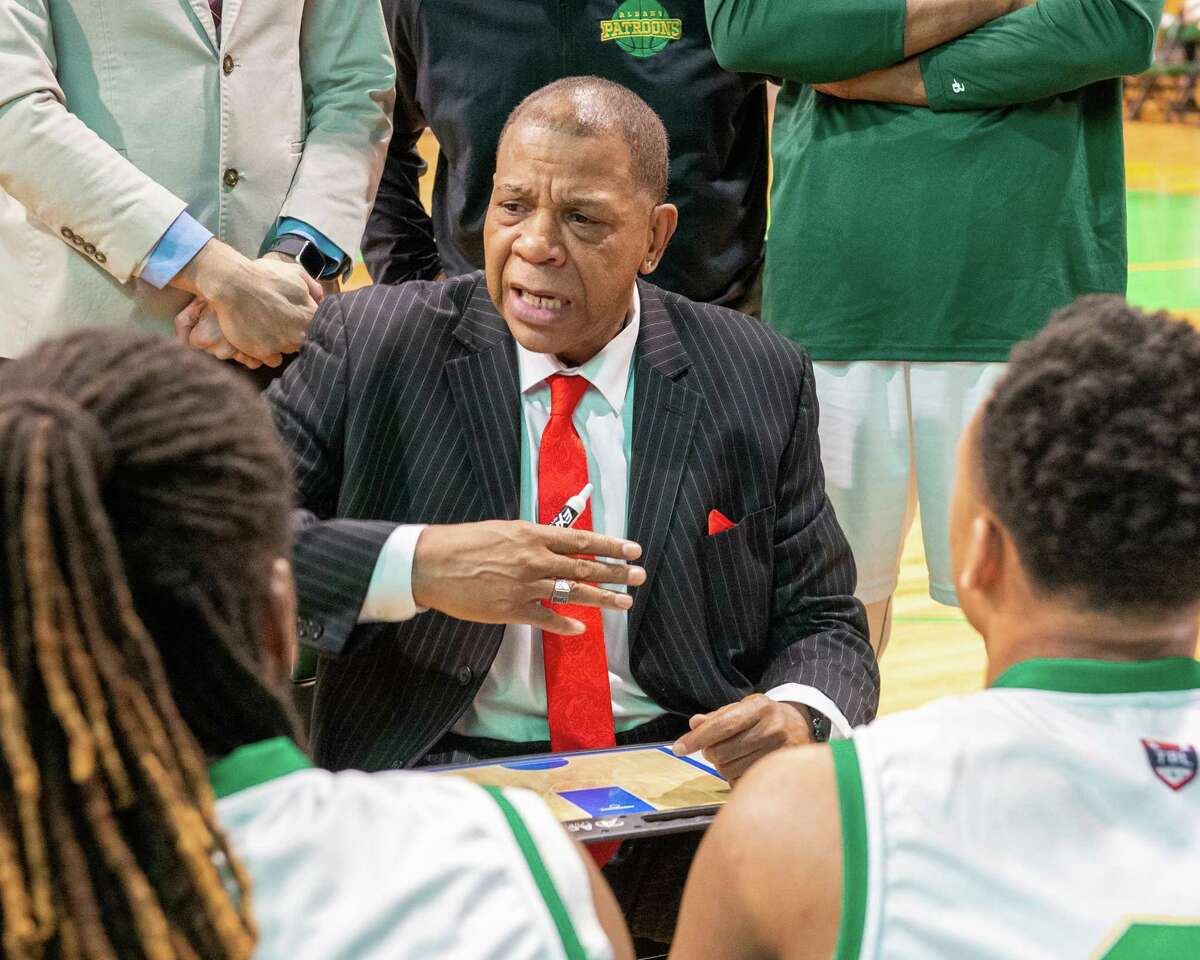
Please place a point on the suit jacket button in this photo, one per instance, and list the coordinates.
(465, 675)
(89, 249)
(101, 258)
(318, 629)
(227, 64)
(68, 233)
(231, 178)
(77, 239)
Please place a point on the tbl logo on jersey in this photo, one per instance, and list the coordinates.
(642, 28)
(1173, 763)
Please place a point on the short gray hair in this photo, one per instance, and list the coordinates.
(592, 106)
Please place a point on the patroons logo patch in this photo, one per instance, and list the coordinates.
(642, 28)
(1173, 763)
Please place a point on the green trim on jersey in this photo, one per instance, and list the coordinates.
(854, 849)
(541, 876)
(1103, 676)
(256, 763)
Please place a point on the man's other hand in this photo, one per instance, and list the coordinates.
(500, 571)
(738, 734)
(196, 326)
(263, 307)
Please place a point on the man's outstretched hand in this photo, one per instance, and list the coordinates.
(500, 571)
(739, 734)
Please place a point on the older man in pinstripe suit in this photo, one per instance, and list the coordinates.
(493, 396)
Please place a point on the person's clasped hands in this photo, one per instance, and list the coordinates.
(251, 311)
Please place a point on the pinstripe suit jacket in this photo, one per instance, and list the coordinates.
(404, 407)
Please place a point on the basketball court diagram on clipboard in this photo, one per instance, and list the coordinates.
(612, 794)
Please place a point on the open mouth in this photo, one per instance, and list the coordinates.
(540, 299)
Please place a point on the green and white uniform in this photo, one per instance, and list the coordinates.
(1055, 815)
(355, 866)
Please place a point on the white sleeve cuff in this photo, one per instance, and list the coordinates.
(389, 595)
(812, 697)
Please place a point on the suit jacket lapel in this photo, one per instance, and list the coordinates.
(229, 12)
(204, 17)
(487, 393)
(664, 415)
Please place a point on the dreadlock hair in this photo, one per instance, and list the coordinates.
(1090, 453)
(143, 495)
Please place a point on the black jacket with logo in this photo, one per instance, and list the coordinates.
(462, 65)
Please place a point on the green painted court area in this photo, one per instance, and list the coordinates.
(1164, 249)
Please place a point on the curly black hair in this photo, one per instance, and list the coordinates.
(1090, 452)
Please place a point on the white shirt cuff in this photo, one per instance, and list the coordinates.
(389, 595)
(812, 697)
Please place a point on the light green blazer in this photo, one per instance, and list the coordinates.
(116, 115)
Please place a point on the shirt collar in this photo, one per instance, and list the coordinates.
(607, 371)
(256, 763)
(1103, 676)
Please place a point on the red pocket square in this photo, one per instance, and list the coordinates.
(718, 522)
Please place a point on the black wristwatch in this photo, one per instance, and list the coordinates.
(303, 251)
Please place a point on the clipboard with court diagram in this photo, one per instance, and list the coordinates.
(613, 794)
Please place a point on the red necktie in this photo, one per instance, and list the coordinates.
(578, 697)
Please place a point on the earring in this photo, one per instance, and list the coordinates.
(649, 262)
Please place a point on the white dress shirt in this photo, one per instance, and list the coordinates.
(511, 703)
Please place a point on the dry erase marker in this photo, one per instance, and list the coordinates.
(570, 512)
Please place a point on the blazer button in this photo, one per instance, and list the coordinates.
(68, 233)
(231, 178)
(465, 675)
(89, 249)
(77, 239)
(318, 630)
(101, 258)
(227, 64)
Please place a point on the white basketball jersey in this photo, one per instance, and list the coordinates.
(1056, 815)
(403, 866)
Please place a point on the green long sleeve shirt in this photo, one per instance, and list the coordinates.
(949, 232)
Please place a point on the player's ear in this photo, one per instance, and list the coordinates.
(278, 635)
(984, 556)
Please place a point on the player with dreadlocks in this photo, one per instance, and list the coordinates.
(146, 625)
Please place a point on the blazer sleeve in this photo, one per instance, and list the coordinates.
(818, 632)
(399, 243)
(59, 169)
(349, 87)
(333, 559)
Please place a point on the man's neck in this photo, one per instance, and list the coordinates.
(1076, 635)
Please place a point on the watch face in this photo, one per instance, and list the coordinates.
(312, 260)
(303, 251)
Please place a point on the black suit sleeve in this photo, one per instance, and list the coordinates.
(818, 633)
(333, 559)
(399, 244)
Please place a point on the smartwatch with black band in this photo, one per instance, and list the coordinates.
(303, 251)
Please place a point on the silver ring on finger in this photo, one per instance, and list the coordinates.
(561, 592)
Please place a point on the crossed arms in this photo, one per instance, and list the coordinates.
(946, 54)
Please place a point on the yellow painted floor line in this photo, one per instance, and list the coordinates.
(1156, 265)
